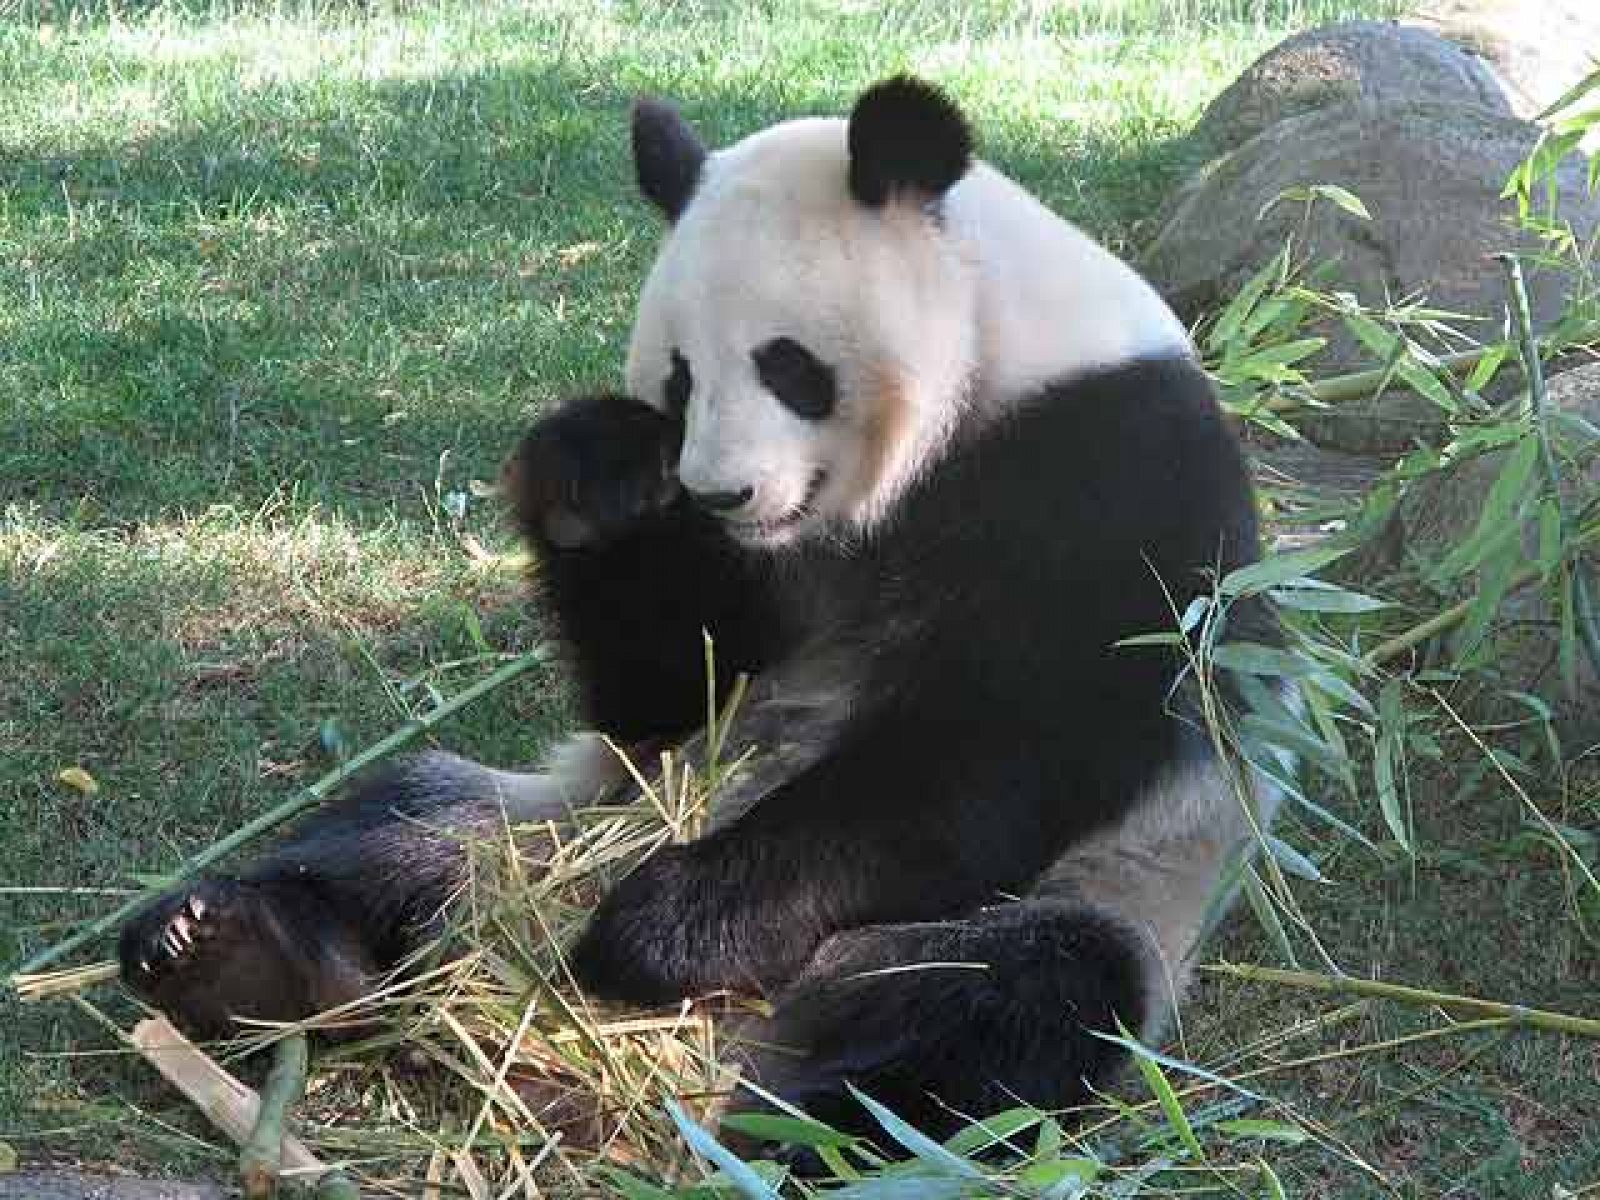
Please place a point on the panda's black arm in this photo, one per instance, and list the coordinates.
(631, 572)
(633, 613)
(909, 821)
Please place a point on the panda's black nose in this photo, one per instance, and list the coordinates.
(723, 501)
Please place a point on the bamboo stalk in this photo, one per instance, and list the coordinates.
(1339, 388)
(1373, 381)
(294, 806)
(1538, 405)
(1470, 1006)
(261, 1159)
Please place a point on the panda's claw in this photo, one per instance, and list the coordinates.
(168, 937)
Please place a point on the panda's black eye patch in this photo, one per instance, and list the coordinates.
(801, 381)
(678, 386)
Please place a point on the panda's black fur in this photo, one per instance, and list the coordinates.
(993, 725)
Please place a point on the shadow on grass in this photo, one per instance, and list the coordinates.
(333, 292)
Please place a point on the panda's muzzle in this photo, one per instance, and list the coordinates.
(771, 525)
(721, 502)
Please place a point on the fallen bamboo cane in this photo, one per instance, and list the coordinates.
(1469, 1006)
(231, 1106)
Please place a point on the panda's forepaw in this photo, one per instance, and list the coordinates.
(592, 469)
(636, 948)
(685, 923)
(173, 935)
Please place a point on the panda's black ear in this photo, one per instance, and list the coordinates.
(906, 136)
(667, 155)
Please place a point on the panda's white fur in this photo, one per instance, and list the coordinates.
(926, 317)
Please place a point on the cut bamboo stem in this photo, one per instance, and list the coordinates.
(261, 1159)
(1467, 1006)
(293, 807)
(231, 1106)
(1374, 381)
(1357, 384)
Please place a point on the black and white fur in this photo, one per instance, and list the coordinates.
(918, 455)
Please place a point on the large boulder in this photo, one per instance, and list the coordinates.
(1440, 511)
(75, 1185)
(1538, 48)
(1374, 61)
(1431, 177)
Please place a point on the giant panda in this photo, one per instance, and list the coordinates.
(920, 457)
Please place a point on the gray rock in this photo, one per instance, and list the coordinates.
(1374, 61)
(1431, 177)
(1538, 48)
(75, 1185)
(1439, 511)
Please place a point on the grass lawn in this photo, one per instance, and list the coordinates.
(278, 282)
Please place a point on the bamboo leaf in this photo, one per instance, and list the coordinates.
(1385, 762)
(1267, 915)
(1272, 1186)
(791, 1131)
(1426, 384)
(1233, 316)
(1497, 521)
(1267, 1131)
(1177, 1119)
(1572, 95)
(1060, 1178)
(1272, 363)
(1252, 658)
(1338, 689)
(1487, 367)
(1345, 200)
(1284, 779)
(1549, 536)
(1279, 569)
(1382, 343)
(1149, 639)
(744, 1179)
(917, 1143)
(1311, 595)
(1297, 739)
(1494, 581)
(991, 1130)
(1292, 861)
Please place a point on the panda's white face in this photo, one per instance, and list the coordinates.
(818, 348)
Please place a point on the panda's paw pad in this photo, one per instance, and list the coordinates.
(174, 934)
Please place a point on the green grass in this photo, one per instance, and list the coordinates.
(277, 282)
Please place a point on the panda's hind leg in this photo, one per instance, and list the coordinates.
(349, 896)
(960, 1019)
(955, 1020)
(223, 950)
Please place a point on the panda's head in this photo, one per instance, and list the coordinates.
(809, 315)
